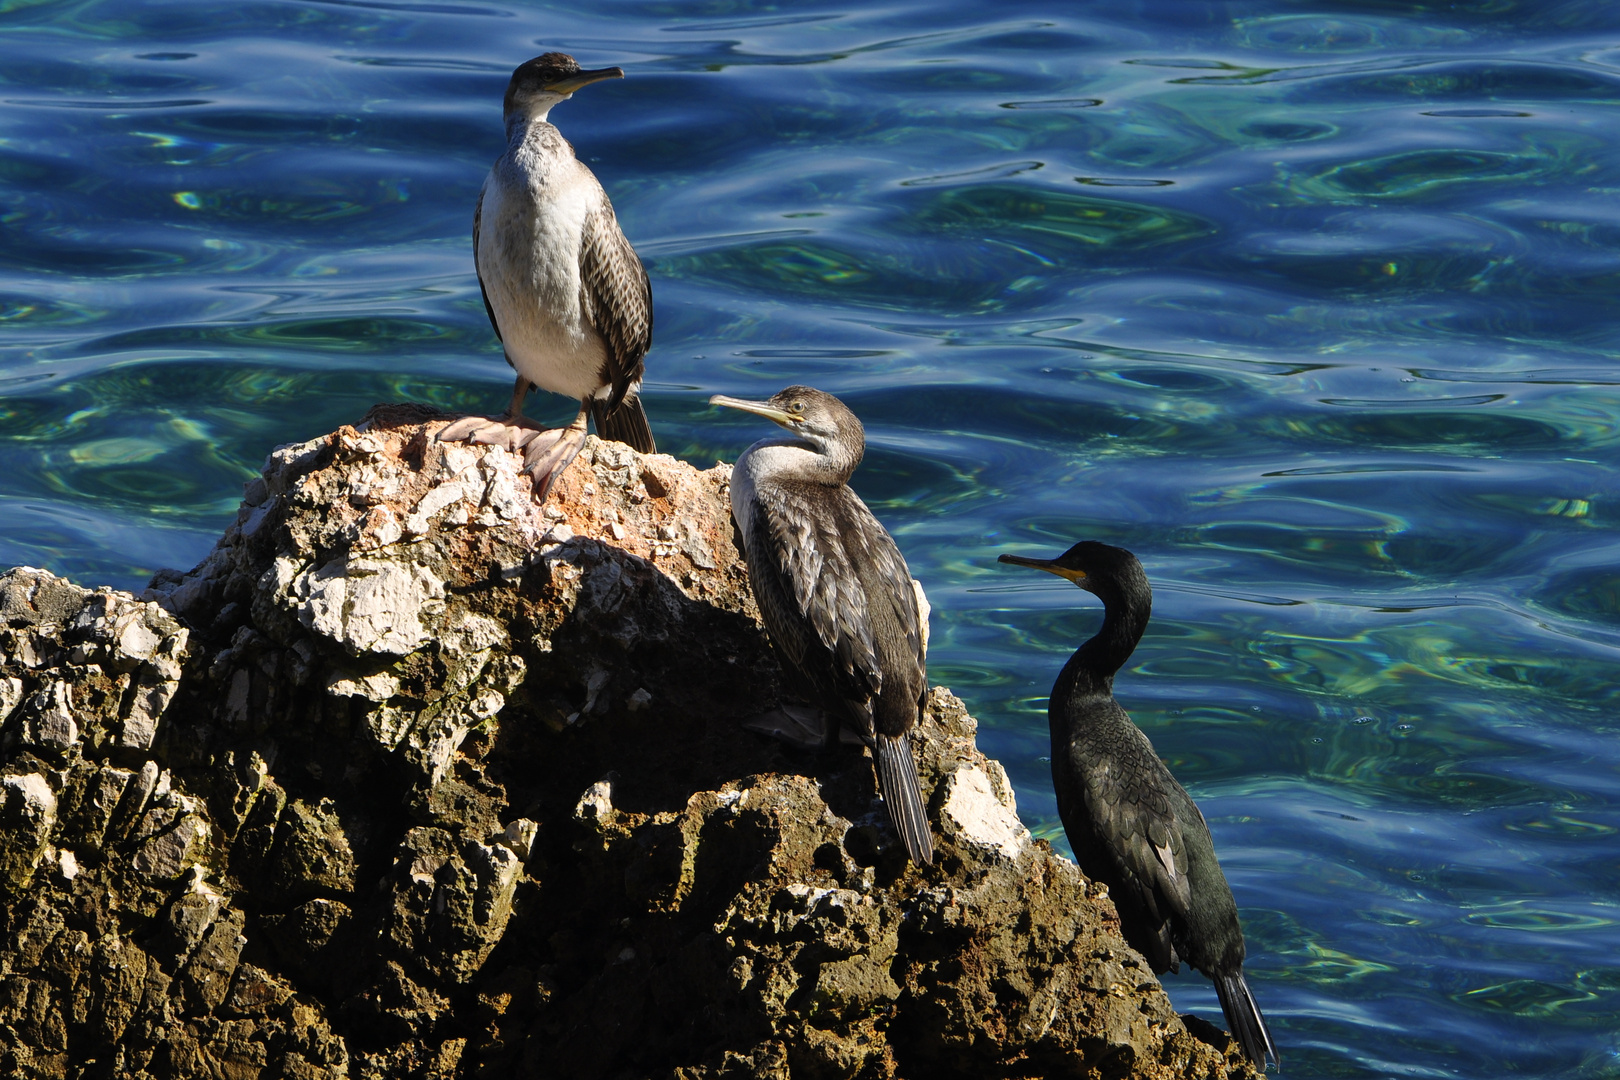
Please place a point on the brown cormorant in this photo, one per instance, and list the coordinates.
(569, 299)
(834, 590)
(1132, 826)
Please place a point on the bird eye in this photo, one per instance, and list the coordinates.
(797, 408)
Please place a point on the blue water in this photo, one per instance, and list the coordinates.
(1312, 305)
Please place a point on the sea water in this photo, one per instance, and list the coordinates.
(1311, 305)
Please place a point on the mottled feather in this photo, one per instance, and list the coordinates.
(616, 299)
(834, 592)
(806, 568)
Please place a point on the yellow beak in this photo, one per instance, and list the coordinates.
(1049, 565)
(758, 408)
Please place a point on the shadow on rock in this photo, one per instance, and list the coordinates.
(412, 777)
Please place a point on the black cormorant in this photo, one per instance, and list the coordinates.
(834, 590)
(1132, 826)
(568, 297)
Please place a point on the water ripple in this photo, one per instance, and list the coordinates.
(1312, 306)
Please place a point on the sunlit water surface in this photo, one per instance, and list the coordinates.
(1311, 305)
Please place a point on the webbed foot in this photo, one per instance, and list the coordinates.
(547, 455)
(800, 726)
(547, 452)
(512, 433)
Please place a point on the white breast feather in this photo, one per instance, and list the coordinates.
(763, 458)
(528, 258)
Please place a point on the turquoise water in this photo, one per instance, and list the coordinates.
(1311, 305)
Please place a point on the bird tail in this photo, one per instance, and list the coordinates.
(626, 424)
(1244, 1020)
(897, 782)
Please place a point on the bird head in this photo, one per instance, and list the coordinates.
(814, 417)
(541, 83)
(1095, 567)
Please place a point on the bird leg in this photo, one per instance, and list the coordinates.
(546, 451)
(801, 726)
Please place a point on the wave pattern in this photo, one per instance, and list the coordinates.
(1312, 305)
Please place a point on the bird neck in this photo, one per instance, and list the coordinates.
(1090, 671)
(791, 458)
(521, 124)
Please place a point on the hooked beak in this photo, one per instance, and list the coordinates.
(758, 408)
(584, 78)
(1049, 565)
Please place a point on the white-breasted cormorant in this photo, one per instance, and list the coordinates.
(834, 590)
(568, 297)
(1132, 826)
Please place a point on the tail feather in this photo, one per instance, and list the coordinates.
(1244, 1020)
(897, 781)
(626, 424)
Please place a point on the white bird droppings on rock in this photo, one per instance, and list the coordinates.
(924, 609)
(36, 802)
(136, 640)
(434, 501)
(378, 687)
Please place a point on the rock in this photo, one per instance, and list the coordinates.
(979, 811)
(27, 819)
(414, 777)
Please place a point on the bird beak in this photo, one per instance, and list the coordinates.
(758, 408)
(584, 78)
(1049, 565)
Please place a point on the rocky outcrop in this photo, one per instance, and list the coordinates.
(413, 777)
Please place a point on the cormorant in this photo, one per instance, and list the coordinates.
(834, 590)
(568, 297)
(1132, 826)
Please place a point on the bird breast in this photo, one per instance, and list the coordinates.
(530, 230)
(756, 467)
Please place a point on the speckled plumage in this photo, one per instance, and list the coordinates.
(836, 595)
(567, 296)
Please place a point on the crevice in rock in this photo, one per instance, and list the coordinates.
(413, 777)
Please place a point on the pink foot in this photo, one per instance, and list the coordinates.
(492, 431)
(547, 452)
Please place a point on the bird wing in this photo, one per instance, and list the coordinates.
(890, 574)
(615, 297)
(1129, 800)
(478, 221)
(810, 594)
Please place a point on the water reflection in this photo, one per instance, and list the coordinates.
(1310, 306)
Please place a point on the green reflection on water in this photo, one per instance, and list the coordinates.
(1420, 173)
(1336, 359)
(1533, 998)
(1063, 222)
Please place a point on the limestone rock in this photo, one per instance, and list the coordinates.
(27, 820)
(415, 777)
